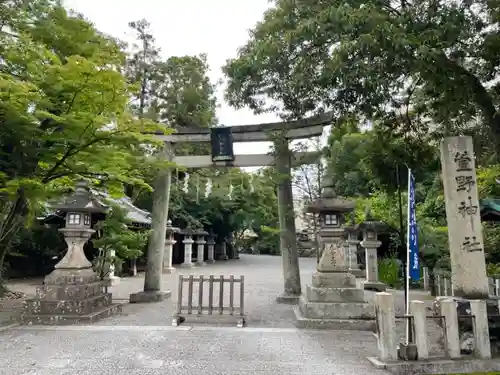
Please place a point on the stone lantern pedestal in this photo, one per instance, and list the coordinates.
(200, 248)
(370, 229)
(188, 249)
(352, 243)
(211, 248)
(333, 300)
(73, 292)
(169, 247)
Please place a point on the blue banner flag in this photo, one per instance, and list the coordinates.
(412, 233)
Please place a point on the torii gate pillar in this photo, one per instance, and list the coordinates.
(288, 238)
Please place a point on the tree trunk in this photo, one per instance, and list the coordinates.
(13, 216)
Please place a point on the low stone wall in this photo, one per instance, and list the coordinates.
(395, 356)
(10, 310)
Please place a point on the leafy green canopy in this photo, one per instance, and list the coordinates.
(114, 234)
(63, 110)
(245, 210)
(424, 65)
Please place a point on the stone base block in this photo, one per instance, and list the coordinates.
(374, 285)
(332, 324)
(223, 257)
(333, 280)
(359, 274)
(200, 264)
(55, 319)
(187, 265)
(314, 294)
(288, 299)
(438, 366)
(210, 261)
(114, 280)
(168, 270)
(65, 276)
(66, 307)
(149, 296)
(72, 291)
(336, 310)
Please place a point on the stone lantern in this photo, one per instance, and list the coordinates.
(169, 247)
(200, 247)
(77, 209)
(333, 300)
(73, 292)
(370, 229)
(188, 248)
(211, 247)
(331, 210)
(351, 246)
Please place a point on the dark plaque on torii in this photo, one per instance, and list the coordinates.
(221, 139)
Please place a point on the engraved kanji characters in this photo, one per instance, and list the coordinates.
(467, 208)
(471, 244)
(463, 161)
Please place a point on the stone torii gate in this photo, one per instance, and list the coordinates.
(282, 160)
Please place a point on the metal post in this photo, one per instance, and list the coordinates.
(402, 242)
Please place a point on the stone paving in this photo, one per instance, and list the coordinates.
(142, 341)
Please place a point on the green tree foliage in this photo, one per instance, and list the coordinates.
(406, 73)
(64, 112)
(424, 66)
(362, 162)
(246, 211)
(175, 91)
(115, 234)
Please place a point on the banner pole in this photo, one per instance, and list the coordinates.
(407, 279)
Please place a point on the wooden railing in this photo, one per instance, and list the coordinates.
(197, 303)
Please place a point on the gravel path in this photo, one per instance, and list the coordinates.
(142, 340)
(263, 282)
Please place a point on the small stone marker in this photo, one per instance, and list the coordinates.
(465, 234)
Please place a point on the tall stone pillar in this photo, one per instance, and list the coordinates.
(288, 236)
(152, 280)
(371, 244)
(333, 300)
(188, 251)
(352, 245)
(200, 248)
(169, 247)
(210, 249)
(465, 233)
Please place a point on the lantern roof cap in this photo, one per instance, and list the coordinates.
(329, 201)
(170, 228)
(82, 199)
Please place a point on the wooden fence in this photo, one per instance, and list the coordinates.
(205, 304)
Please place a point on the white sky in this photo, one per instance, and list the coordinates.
(189, 27)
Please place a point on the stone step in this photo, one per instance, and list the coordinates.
(54, 319)
(333, 324)
(374, 286)
(67, 307)
(336, 310)
(71, 292)
(314, 294)
(333, 280)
